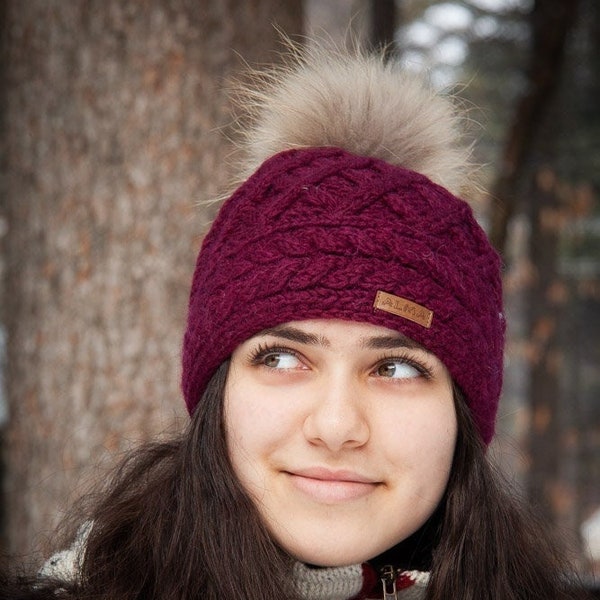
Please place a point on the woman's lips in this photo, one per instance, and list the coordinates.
(324, 485)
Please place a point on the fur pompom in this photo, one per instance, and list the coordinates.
(358, 102)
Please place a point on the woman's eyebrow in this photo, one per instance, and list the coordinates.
(389, 342)
(297, 335)
(379, 342)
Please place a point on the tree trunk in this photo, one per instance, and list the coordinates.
(371, 24)
(111, 137)
(551, 21)
(547, 296)
(564, 310)
(384, 22)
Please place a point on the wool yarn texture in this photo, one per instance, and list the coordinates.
(320, 233)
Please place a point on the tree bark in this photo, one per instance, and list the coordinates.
(547, 296)
(111, 136)
(551, 20)
(562, 295)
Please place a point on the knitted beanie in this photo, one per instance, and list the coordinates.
(331, 229)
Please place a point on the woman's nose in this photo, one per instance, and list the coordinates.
(337, 418)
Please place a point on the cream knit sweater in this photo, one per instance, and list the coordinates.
(332, 583)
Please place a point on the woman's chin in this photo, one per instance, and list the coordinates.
(331, 557)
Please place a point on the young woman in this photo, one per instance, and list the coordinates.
(342, 366)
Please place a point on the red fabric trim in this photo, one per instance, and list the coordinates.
(404, 581)
(371, 582)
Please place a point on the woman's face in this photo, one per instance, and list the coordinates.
(343, 435)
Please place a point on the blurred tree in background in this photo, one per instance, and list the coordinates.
(110, 136)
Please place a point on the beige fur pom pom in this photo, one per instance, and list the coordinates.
(359, 102)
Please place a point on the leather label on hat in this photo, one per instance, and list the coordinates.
(403, 308)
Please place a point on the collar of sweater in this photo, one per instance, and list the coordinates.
(355, 582)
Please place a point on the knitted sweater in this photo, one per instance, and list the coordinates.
(355, 582)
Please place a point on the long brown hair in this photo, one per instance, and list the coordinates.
(491, 545)
(175, 524)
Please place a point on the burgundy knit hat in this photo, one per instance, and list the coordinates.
(320, 232)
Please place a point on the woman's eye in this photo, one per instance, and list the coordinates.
(397, 369)
(281, 360)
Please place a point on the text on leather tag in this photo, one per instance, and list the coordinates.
(403, 308)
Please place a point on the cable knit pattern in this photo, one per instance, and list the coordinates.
(339, 583)
(346, 583)
(316, 233)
